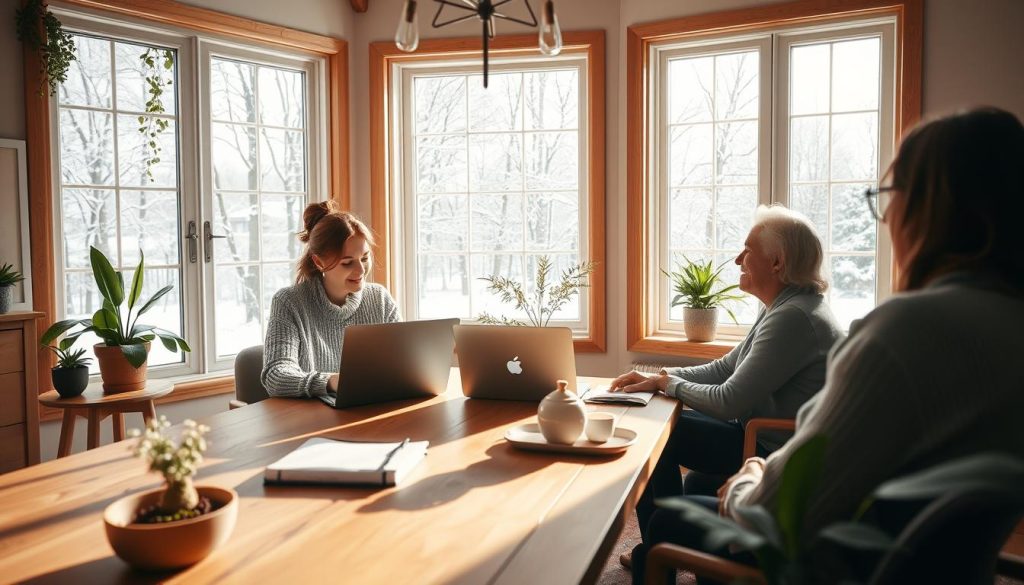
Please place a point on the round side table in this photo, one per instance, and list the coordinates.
(95, 406)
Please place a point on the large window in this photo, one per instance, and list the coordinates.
(802, 115)
(210, 187)
(488, 182)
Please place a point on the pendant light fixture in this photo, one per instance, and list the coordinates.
(549, 37)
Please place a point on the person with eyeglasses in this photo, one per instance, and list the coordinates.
(932, 373)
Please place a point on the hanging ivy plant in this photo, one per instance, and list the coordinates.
(159, 65)
(41, 31)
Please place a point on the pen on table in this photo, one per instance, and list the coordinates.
(391, 453)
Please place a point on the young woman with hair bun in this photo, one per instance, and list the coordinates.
(302, 351)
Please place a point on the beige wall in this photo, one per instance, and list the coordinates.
(974, 53)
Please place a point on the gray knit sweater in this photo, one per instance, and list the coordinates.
(306, 331)
(926, 377)
(772, 372)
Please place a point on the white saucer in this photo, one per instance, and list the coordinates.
(527, 436)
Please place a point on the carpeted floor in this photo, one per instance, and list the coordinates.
(615, 574)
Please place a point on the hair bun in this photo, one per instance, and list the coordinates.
(314, 213)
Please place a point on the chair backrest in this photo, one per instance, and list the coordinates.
(248, 367)
(954, 539)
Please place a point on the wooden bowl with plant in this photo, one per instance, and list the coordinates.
(181, 523)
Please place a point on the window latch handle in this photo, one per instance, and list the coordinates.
(193, 241)
(209, 236)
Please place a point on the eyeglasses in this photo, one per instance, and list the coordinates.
(878, 200)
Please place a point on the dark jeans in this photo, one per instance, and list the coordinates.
(711, 449)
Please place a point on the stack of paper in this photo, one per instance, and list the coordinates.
(346, 462)
(601, 395)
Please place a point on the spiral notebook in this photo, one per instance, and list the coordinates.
(329, 461)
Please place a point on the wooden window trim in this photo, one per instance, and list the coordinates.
(590, 43)
(909, 18)
(167, 12)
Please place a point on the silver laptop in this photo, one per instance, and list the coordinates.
(393, 361)
(514, 363)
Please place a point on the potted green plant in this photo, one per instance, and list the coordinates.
(41, 31)
(178, 524)
(698, 288)
(71, 374)
(546, 300)
(8, 278)
(126, 342)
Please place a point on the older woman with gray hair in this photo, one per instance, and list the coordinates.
(771, 373)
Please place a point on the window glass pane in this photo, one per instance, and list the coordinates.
(441, 164)
(736, 86)
(88, 82)
(812, 201)
(138, 82)
(491, 265)
(440, 104)
(283, 160)
(87, 147)
(149, 222)
(499, 107)
(145, 160)
(495, 162)
(552, 99)
(234, 156)
(808, 149)
(282, 221)
(88, 218)
(852, 293)
(853, 226)
(855, 147)
(808, 79)
(443, 223)
(443, 285)
(691, 148)
(165, 313)
(734, 216)
(552, 221)
(690, 219)
(855, 75)
(238, 314)
(689, 90)
(232, 91)
(736, 149)
(236, 217)
(281, 94)
(496, 222)
(552, 160)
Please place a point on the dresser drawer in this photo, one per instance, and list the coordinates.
(12, 351)
(12, 448)
(12, 398)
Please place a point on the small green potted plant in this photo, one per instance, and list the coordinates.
(699, 290)
(8, 278)
(125, 348)
(180, 523)
(545, 301)
(71, 374)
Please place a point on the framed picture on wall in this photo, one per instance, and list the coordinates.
(14, 242)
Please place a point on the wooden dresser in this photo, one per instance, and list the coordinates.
(19, 390)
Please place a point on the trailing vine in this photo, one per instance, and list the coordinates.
(158, 62)
(40, 30)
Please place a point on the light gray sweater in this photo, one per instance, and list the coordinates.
(777, 367)
(926, 377)
(306, 331)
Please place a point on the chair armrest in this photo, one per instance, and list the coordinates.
(665, 557)
(233, 404)
(756, 425)
(1012, 566)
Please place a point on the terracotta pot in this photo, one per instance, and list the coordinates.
(117, 373)
(700, 324)
(169, 545)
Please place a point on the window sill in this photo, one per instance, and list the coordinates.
(681, 347)
(187, 387)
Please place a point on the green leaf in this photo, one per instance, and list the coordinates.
(985, 471)
(799, 480)
(160, 293)
(168, 343)
(106, 278)
(720, 531)
(163, 333)
(58, 328)
(761, 520)
(105, 319)
(137, 281)
(136, 354)
(857, 536)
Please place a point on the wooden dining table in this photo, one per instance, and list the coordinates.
(476, 510)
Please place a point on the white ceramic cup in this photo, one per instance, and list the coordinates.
(600, 426)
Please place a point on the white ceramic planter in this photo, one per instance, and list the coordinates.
(700, 324)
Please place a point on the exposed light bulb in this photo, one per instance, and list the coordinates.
(407, 37)
(550, 36)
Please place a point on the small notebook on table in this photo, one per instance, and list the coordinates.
(328, 461)
(602, 395)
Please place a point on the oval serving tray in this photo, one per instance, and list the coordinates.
(527, 436)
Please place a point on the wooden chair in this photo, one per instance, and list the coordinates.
(953, 539)
(756, 425)
(248, 386)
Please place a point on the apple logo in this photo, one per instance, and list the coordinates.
(514, 366)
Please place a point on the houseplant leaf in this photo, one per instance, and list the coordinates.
(164, 335)
(136, 289)
(58, 328)
(106, 277)
(799, 480)
(135, 354)
(152, 301)
(720, 531)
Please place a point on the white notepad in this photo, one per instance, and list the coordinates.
(601, 395)
(346, 462)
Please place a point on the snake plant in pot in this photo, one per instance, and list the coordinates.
(122, 355)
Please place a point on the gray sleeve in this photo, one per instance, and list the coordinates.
(282, 375)
(713, 372)
(783, 345)
(870, 414)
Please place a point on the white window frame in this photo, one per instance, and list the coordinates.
(198, 326)
(402, 149)
(773, 144)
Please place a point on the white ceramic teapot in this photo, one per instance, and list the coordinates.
(561, 416)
